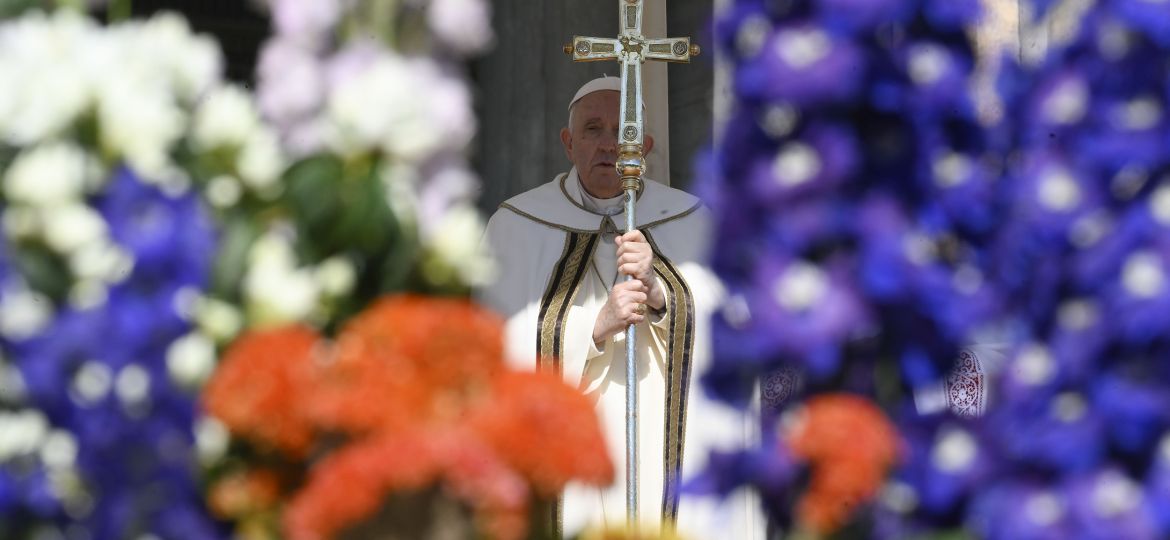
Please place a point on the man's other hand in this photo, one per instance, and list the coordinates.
(626, 305)
(635, 258)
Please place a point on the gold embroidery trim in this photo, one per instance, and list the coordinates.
(562, 286)
(680, 345)
(517, 211)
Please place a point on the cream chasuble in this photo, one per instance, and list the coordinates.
(556, 262)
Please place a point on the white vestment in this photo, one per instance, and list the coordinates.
(554, 271)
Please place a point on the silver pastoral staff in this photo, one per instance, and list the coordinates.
(631, 48)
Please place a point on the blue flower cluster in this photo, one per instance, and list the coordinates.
(848, 181)
(99, 375)
(867, 213)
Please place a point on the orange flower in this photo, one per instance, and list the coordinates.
(448, 344)
(850, 445)
(350, 485)
(418, 387)
(547, 430)
(258, 388)
(244, 493)
(409, 359)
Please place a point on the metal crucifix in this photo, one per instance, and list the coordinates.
(631, 49)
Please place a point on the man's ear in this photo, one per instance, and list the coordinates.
(647, 144)
(567, 142)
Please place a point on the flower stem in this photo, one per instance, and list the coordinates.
(75, 5)
(119, 10)
(383, 20)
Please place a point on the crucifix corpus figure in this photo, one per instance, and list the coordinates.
(602, 278)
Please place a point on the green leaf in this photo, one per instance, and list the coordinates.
(238, 234)
(13, 8)
(45, 271)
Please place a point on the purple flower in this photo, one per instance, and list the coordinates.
(291, 84)
(100, 374)
(1038, 431)
(464, 26)
(168, 236)
(962, 187)
(1062, 100)
(1158, 483)
(814, 164)
(946, 463)
(1081, 333)
(308, 22)
(1051, 193)
(955, 15)
(1128, 134)
(809, 311)
(938, 77)
(1150, 17)
(1110, 504)
(803, 65)
(907, 268)
(1137, 412)
(770, 468)
(1017, 510)
(862, 15)
(1139, 293)
(352, 60)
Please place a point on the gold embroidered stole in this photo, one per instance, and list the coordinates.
(558, 297)
(680, 347)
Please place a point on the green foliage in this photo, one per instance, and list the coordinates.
(13, 8)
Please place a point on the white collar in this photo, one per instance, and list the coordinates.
(558, 203)
(609, 207)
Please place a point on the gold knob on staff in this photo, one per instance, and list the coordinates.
(568, 48)
(695, 50)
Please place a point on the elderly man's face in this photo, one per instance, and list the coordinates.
(591, 142)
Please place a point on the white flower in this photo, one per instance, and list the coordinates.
(191, 359)
(68, 227)
(224, 191)
(218, 319)
(306, 21)
(463, 25)
(24, 312)
(47, 174)
(44, 90)
(59, 450)
(456, 243)
(23, 431)
(211, 439)
(12, 385)
(87, 294)
(291, 82)
(226, 118)
(261, 162)
(92, 383)
(198, 66)
(22, 222)
(448, 187)
(188, 63)
(276, 291)
(139, 123)
(408, 109)
(133, 385)
(335, 276)
(802, 286)
(102, 261)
